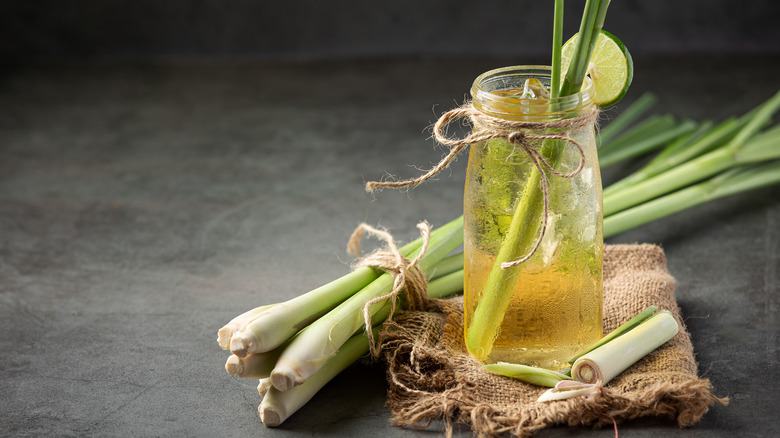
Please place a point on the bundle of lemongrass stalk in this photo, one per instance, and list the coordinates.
(294, 348)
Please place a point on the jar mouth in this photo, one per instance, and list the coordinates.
(486, 96)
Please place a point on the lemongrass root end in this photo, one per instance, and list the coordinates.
(234, 367)
(269, 416)
(263, 386)
(223, 337)
(241, 344)
(284, 380)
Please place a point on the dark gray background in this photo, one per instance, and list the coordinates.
(166, 165)
(312, 29)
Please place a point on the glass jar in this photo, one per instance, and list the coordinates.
(544, 310)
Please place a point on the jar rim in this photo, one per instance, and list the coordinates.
(486, 100)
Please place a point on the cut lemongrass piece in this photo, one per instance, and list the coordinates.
(263, 385)
(623, 329)
(611, 359)
(534, 375)
(567, 389)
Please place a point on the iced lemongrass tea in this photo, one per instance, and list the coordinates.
(542, 311)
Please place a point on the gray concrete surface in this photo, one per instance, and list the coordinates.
(142, 206)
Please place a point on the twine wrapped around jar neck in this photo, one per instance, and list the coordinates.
(519, 133)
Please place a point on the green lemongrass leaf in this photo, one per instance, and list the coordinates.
(623, 329)
(626, 118)
(446, 285)
(731, 182)
(745, 178)
(686, 144)
(646, 145)
(644, 172)
(762, 147)
(590, 27)
(650, 126)
(700, 143)
(534, 375)
(447, 266)
(757, 120)
(557, 43)
(673, 179)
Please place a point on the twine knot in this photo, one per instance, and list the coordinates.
(519, 133)
(407, 276)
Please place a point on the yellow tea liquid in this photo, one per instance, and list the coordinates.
(553, 313)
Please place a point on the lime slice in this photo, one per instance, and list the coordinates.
(611, 68)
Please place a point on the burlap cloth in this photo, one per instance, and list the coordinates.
(431, 377)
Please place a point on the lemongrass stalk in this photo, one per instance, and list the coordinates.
(677, 154)
(226, 333)
(263, 385)
(681, 144)
(623, 329)
(646, 145)
(691, 172)
(590, 28)
(626, 118)
(320, 340)
(648, 127)
(737, 151)
(534, 375)
(276, 325)
(731, 182)
(447, 266)
(557, 44)
(764, 146)
(278, 405)
(609, 360)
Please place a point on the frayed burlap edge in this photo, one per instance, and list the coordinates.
(426, 370)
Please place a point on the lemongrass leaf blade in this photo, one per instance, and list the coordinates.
(646, 145)
(628, 116)
(529, 374)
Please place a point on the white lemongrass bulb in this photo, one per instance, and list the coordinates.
(225, 334)
(253, 366)
(611, 359)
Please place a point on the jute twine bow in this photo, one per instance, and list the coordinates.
(408, 277)
(515, 132)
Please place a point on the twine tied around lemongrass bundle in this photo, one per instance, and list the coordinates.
(519, 133)
(407, 276)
